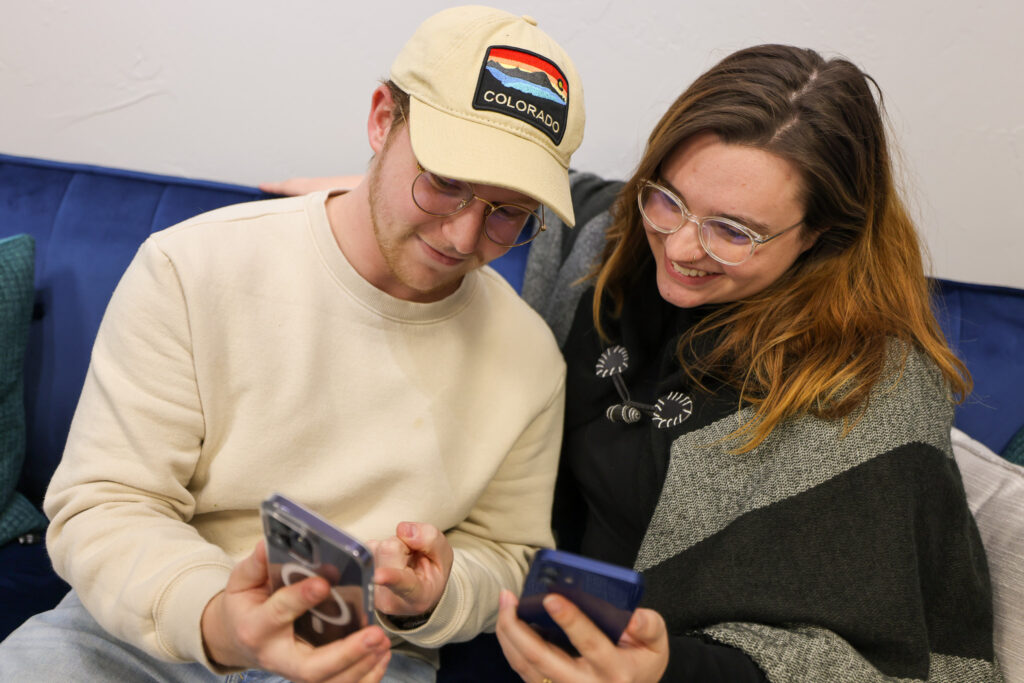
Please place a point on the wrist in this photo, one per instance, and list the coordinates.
(405, 622)
(211, 630)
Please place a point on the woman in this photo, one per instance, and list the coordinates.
(759, 400)
(758, 404)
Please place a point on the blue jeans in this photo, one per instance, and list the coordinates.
(66, 644)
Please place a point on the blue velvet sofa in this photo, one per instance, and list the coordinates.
(87, 223)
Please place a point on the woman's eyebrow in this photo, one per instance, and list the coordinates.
(755, 225)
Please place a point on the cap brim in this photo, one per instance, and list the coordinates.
(481, 153)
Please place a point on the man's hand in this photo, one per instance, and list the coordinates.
(412, 569)
(247, 626)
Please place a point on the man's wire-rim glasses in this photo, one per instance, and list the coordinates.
(505, 224)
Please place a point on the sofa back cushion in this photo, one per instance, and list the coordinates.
(87, 223)
(985, 327)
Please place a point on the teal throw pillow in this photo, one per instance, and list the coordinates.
(1014, 451)
(17, 261)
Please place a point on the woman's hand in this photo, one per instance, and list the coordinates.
(640, 656)
(295, 186)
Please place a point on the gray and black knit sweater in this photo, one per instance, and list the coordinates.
(821, 556)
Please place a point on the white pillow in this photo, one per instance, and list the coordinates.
(995, 494)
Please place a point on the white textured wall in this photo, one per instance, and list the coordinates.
(248, 91)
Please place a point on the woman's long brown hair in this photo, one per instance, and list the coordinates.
(815, 341)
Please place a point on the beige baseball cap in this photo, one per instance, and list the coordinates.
(493, 100)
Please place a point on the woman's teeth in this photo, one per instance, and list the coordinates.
(689, 272)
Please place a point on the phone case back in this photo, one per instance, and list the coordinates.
(301, 544)
(606, 593)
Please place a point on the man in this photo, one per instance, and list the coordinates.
(345, 350)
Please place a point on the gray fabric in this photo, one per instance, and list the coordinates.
(799, 653)
(706, 488)
(552, 287)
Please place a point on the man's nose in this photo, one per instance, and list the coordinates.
(465, 229)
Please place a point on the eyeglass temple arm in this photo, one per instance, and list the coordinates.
(763, 240)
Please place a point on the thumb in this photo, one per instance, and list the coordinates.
(249, 573)
(427, 540)
(646, 627)
(288, 603)
(416, 536)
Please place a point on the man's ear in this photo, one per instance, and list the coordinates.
(378, 126)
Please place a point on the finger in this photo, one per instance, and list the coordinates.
(273, 187)
(288, 603)
(351, 658)
(249, 573)
(515, 629)
(507, 604)
(391, 552)
(516, 659)
(399, 581)
(417, 536)
(514, 644)
(294, 186)
(392, 572)
(343, 181)
(583, 634)
(645, 628)
(428, 540)
(399, 598)
(533, 652)
(378, 671)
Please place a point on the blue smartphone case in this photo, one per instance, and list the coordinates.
(301, 544)
(605, 592)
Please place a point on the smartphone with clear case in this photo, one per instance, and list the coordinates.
(301, 544)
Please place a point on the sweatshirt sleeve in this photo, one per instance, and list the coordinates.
(495, 543)
(119, 500)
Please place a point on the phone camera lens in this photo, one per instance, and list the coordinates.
(548, 576)
(280, 535)
(302, 547)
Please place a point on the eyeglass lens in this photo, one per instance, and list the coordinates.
(506, 224)
(724, 241)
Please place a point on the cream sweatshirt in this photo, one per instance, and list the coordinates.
(241, 355)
